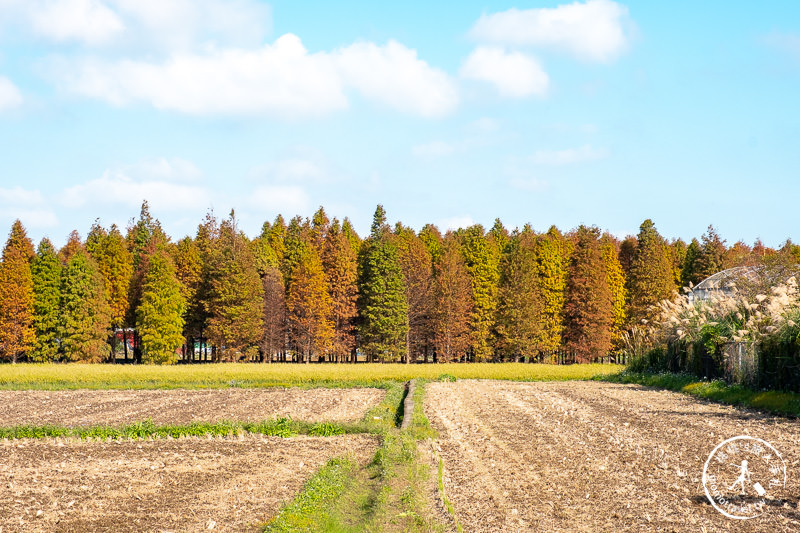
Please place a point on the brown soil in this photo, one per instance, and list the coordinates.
(118, 407)
(587, 456)
(187, 484)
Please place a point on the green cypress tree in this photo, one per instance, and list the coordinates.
(159, 317)
(483, 264)
(85, 314)
(46, 270)
(689, 268)
(17, 334)
(712, 255)
(109, 251)
(651, 279)
(236, 299)
(382, 305)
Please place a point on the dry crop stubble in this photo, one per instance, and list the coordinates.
(588, 456)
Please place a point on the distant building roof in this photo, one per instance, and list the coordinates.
(722, 282)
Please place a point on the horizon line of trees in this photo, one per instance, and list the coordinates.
(313, 288)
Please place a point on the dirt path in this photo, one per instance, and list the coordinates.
(159, 485)
(118, 407)
(586, 456)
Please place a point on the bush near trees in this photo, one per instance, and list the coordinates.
(312, 289)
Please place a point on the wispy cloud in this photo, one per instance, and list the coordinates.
(161, 181)
(568, 156)
(786, 42)
(10, 96)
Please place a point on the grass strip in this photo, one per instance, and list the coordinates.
(53, 376)
(778, 402)
(279, 427)
(388, 494)
(311, 510)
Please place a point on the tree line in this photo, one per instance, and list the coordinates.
(314, 289)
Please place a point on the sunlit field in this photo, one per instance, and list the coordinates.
(80, 376)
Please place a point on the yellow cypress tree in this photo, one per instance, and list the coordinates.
(616, 283)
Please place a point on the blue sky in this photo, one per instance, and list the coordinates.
(593, 112)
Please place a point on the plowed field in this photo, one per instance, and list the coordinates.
(118, 407)
(186, 484)
(588, 456)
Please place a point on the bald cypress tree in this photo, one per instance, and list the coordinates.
(552, 255)
(452, 302)
(46, 270)
(159, 317)
(109, 251)
(383, 311)
(616, 284)
(519, 322)
(483, 264)
(236, 298)
(588, 306)
(17, 334)
(340, 263)
(85, 314)
(309, 306)
(651, 278)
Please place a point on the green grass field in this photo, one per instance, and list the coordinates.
(103, 376)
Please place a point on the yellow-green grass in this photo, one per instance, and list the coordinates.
(104, 376)
(780, 402)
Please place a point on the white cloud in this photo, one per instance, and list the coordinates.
(394, 75)
(282, 79)
(433, 149)
(10, 97)
(90, 21)
(280, 199)
(595, 30)
(569, 156)
(514, 74)
(129, 186)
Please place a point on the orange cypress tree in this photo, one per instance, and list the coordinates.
(453, 303)
(309, 306)
(588, 310)
(16, 295)
(341, 274)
